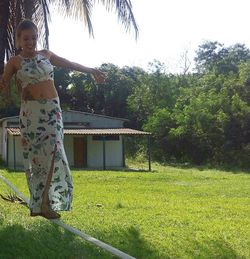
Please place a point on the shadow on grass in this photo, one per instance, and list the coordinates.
(5, 168)
(119, 170)
(124, 169)
(129, 241)
(214, 249)
(45, 241)
(48, 241)
(223, 168)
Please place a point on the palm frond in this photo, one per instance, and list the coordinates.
(36, 10)
(41, 16)
(124, 11)
(13, 11)
(12, 197)
(28, 8)
(4, 17)
(82, 10)
(18, 10)
(76, 9)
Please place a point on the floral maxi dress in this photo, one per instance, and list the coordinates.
(45, 161)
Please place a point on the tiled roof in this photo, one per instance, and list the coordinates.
(95, 114)
(13, 131)
(113, 131)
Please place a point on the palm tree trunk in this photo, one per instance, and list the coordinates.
(4, 17)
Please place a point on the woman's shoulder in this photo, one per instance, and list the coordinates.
(45, 52)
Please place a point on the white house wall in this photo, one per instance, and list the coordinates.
(114, 153)
(18, 153)
(69, 148)
(4, 141)
(114, 157)
(95, 153)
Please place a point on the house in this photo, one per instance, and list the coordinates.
(91, 140)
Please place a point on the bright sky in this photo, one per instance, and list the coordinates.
(167, 30)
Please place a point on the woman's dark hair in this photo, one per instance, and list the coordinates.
(24, 25)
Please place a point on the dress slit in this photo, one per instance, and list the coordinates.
(45, 195)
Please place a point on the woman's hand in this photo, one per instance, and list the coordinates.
(99, 76)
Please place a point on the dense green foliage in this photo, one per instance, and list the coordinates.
(199, 117)
(170, 213)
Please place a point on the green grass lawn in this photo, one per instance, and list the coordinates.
(168, 213)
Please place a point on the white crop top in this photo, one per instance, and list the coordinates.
(34, 70)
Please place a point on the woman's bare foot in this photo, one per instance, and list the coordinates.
(47, 212)
(34, 214)
(50, 214)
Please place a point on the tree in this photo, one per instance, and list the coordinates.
(152, 91)
(79, 91)
(13, 11)
(214, 57)
(185, 62)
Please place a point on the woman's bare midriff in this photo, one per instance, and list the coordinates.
(42, 90)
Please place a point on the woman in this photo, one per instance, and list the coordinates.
(45, 163)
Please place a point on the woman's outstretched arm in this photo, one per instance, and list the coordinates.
(64, 63)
